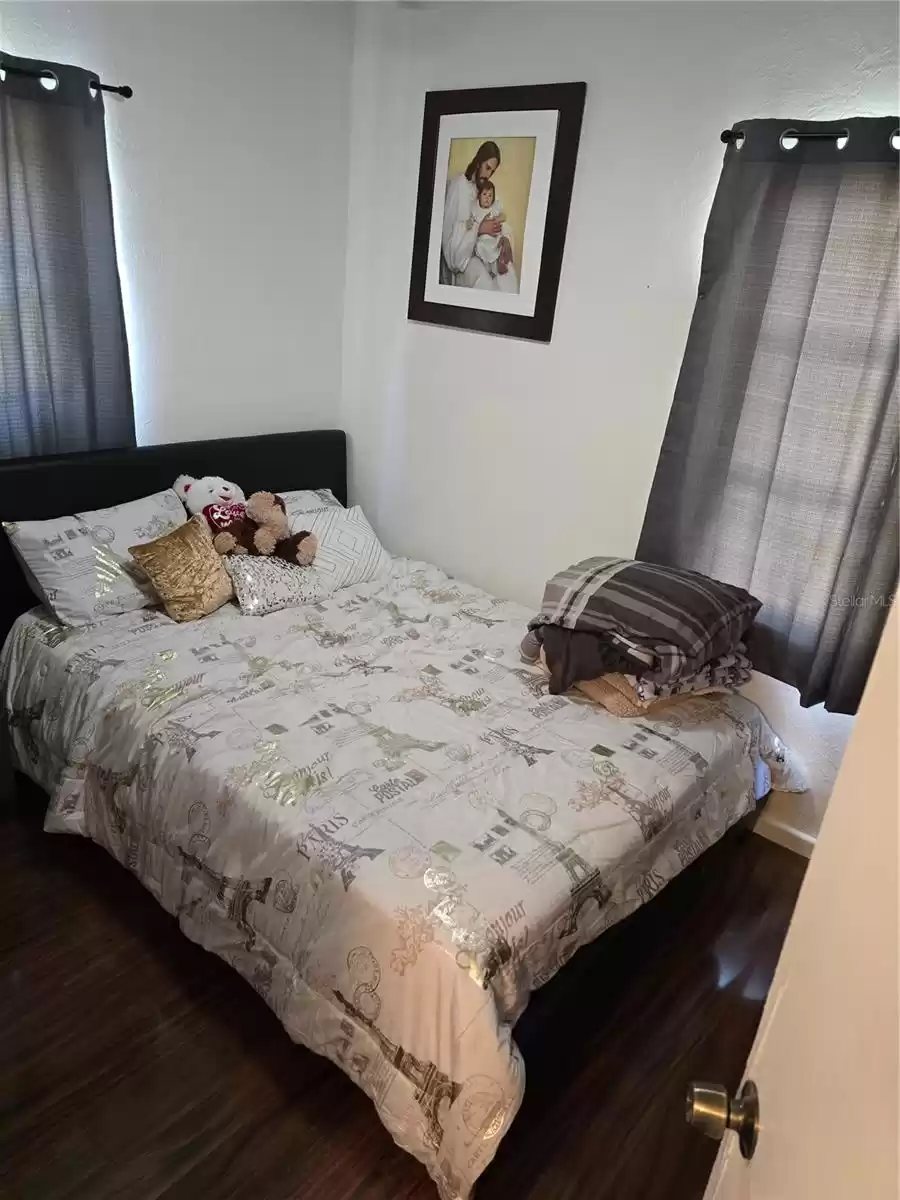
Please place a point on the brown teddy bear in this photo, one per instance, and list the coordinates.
(273, 533)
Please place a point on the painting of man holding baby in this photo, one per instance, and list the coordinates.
(496, 172)
(480, 244)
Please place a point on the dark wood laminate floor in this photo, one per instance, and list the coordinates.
(134, 1064)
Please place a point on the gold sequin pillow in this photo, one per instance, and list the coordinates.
(187, 572)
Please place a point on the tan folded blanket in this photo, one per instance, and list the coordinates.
(614, 695)
(620, 697)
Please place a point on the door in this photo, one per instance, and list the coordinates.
(825, 1060)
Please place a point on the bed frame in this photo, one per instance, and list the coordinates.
(41, 488)
(34, 489)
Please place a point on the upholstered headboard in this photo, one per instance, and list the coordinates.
(34, 489)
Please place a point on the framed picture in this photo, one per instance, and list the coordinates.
(495, 182)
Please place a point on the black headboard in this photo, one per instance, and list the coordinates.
(34, 489)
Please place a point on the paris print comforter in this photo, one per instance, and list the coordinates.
(376, 813)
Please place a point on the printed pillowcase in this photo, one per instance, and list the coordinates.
(349, 550)
(298, 504)
(79, 567)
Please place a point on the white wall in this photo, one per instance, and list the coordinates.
(229, 176)
(502, 460)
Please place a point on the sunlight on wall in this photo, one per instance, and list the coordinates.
(135, 320)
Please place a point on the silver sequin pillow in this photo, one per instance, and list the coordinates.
(79, 566)
(264, 585)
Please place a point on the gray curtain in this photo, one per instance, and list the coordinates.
(64, 379)
(778, 470)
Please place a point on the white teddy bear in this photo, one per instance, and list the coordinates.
(198, 494)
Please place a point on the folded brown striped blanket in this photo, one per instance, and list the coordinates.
(667, 621)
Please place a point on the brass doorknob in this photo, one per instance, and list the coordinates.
(710, 1109)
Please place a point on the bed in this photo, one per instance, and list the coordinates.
(369, 806)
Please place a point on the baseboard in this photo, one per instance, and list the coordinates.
(785, 834)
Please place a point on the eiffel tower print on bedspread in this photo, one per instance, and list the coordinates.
(585, 881)
(432, 1086)
(340, 858)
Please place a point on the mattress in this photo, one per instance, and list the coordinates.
(375, 812)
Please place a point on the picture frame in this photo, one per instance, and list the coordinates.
(496, 172)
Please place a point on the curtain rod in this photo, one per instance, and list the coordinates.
(731, 135)
(124, 90)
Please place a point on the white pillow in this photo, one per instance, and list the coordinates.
(79, 565)
(264, 585)
(349, 551)
(297, 504)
